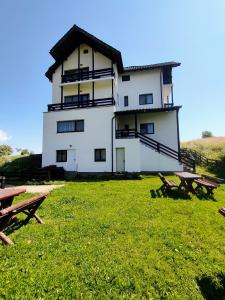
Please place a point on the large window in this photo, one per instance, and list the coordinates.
(100, 154)
(70, 126)
(125, 100)
(61, 155)
(76, 74)
(147, 128)
(145, 99)
(82, 98)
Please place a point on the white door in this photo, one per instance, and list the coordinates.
(71, 160)
(120, 159)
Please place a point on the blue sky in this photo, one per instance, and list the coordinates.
(145, 31)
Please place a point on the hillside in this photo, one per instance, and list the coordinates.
(213, 147)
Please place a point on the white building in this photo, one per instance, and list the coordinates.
(105, 117)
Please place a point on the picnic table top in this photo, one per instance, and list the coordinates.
(8, 193)
(187, 175)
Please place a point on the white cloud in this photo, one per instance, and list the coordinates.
(4, 136)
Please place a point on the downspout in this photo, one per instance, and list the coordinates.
(112, 141)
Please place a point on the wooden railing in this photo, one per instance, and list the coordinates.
(199, 158)
(159, 147)
(83, 104)
(86, 75)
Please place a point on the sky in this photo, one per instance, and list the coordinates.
(145, 31)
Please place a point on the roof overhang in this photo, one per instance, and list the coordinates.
(170, 64)
(72, 39)
(146, 110)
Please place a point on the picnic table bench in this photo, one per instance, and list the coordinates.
(7, 196)
(167, 184)
(207, 184)
(28, 207)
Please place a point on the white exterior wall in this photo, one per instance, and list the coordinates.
(151, 160)
(96, 135)
(165, 125)
(141, 82)
(132, 154)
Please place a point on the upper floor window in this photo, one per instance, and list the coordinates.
(75, 74)
(145, 99)
(100, 154)
(125, 100)
(125, 77)
(82, 98)
(147, 128)
(85, 51)
(70, 126)
(61, 155)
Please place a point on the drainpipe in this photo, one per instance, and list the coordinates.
(112, 141)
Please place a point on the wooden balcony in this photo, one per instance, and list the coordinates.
(87, 75)
(83, 104)
(126, 133)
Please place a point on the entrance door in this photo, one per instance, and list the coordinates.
(71, 160)
(120, 159)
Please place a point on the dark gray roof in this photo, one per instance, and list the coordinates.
(153, 66)
(147, 110)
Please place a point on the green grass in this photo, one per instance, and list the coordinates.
(113, 239)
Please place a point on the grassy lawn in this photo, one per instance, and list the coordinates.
(115, 239)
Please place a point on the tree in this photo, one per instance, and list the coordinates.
(206, 134)
(25, 152)
(5, 150)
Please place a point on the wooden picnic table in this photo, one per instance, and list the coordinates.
(187, 180)
(7, 196)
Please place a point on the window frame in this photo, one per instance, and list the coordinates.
(146, 132)
(79, 98)
(75, 126)
(100, 156)
(145, 95)
(126, 101)
(126, 77)
(57, 156)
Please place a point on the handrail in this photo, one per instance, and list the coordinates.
(81, 104)
(85, 75)
(157, 146)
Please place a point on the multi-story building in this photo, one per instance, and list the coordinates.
(105, 117)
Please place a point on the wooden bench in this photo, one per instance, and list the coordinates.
(28, 207)
(207, 184)
(222, 211)
(167, 184)
(2, 182)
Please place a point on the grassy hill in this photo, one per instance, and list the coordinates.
(213, 147)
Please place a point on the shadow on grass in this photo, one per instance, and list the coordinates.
(174, 194)
(180, 195)
(212, 288)
(15, 225)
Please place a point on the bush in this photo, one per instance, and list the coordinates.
(206, 134)
(5, 150)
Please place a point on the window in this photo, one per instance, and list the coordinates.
(125, 77)
(70, 126)
(125, 100)
(147, 128)
(100, 154)
(61, 155)
(145, 99)
(84, 98)
(85, 51)
(76, 74)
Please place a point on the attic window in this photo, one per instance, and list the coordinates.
(85, 51)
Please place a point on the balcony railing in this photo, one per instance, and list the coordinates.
(83, 104)
(125, 133)
(87, 75)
